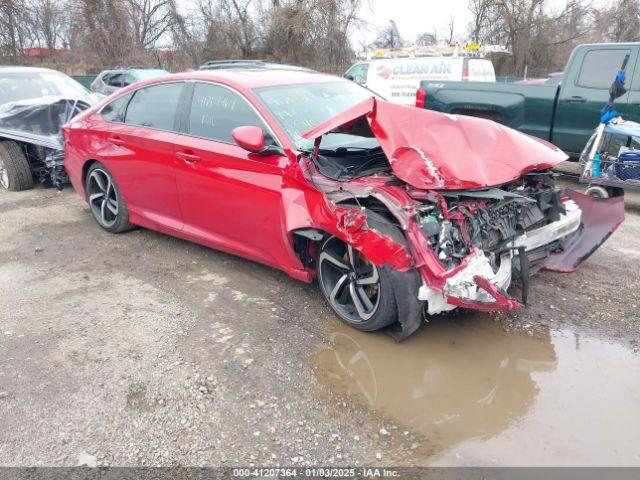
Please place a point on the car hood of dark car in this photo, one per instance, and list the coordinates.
(431, 150)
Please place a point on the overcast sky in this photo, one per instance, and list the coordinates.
(414, 17)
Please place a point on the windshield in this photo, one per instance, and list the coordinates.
(17, 86)
(298, 108)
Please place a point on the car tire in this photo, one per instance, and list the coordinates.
(597, 191)
(15, 171)
(340, 283)
(105, 200)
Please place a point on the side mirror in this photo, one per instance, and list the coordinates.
(348, 76)
(250, 138)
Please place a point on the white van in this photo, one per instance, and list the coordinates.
(397, 79)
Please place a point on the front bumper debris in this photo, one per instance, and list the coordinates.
(599, 219)
(478, 286)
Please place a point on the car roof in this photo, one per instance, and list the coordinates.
(249, 64)
(132, 69)
(18, 69)
(250, 78)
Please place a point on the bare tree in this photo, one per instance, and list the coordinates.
(149, 20)
(479, 10)
(389, 37)
(13, 28)
(186, 35)
(427, 38)
(48, 22)
(313, 33)
(538, 40)
(620, 22)
(107, 33)
(451, 29)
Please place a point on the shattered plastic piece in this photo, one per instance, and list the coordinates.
(473, 284)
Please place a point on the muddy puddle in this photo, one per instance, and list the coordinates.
(478, 395)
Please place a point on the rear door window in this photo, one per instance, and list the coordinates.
(155, 106)
(114, 80)
(128, 80)
(114, 111)
(216, 111)
(105, 78)
(599, 67)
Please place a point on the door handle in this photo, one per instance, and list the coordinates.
(577, 99)
(116, 140)
(188, 157)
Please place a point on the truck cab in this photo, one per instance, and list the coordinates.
(585, 90)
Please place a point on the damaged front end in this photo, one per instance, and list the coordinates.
(36, 124)
(486, 238)
(476, 202)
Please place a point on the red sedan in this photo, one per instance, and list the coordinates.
(397, 212)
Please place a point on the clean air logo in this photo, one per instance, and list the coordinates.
(384, 72)
(442, 68)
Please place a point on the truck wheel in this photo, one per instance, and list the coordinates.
(597, 191)
(15, 172)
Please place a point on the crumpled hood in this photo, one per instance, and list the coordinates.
(431, 150)
(39, 120)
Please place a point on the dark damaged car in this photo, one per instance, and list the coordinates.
(34, 104)
(399, 213)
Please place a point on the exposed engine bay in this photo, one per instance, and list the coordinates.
(499, 233)
(490, 219)
(347, 163)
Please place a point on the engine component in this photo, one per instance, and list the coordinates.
(490, 219)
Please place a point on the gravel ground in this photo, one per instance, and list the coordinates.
(141, 349)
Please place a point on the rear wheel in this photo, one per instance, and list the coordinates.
(105, 200)
(15, 172)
